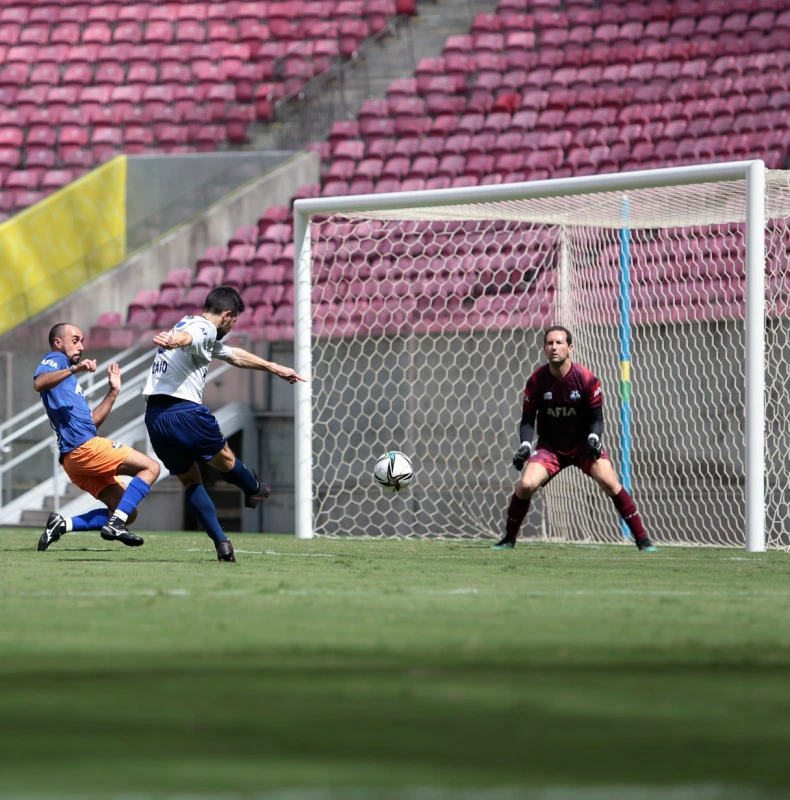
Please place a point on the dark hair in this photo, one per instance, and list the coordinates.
(56, 332)
(223, 298)
(568, 335)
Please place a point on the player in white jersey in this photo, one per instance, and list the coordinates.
(182, 430)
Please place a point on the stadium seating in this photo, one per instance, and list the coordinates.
(534, 91)
(148, 76)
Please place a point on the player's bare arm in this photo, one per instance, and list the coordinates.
(102, 411)
(244, 360)
(171, 340)
(49, 380)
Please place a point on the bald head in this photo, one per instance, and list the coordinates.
(67, 339)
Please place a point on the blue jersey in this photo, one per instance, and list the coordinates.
(66, 406)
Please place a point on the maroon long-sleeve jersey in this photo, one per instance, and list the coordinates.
(562, 406)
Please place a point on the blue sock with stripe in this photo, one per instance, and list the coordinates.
(240, 476)
(135, 492)
(92, 520)
(198, 498)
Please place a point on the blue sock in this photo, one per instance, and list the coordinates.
(135, 492)
(198, 498)
(91, 520)
(240, 476)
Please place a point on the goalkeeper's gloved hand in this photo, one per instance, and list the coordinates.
(522, 455)
(594, 443)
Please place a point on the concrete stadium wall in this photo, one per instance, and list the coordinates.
(180, 247)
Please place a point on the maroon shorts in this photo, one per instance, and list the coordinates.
(554, 462)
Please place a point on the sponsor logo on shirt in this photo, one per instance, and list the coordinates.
(547, 396)
(597, 392)
(48, 362)
(575, 395)
(562, 411)
(116, 445)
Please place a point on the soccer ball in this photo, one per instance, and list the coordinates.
(393, 471)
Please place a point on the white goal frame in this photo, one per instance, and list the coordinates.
(753, 172)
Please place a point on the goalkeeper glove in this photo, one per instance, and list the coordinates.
(522, 455)
(594, 443)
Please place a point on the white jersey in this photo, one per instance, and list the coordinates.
(182, 372)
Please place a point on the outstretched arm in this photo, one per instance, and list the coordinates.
(244, 360)
(49, 380)
(102, 410)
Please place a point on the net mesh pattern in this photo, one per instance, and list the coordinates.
(428, 321)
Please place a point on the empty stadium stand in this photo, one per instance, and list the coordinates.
(541, 89)
(81, 82)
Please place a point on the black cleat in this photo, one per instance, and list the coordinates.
(261, 493)
(505, 543)
(645, 545)
(225, 551)
(116, 531)
(56, 527)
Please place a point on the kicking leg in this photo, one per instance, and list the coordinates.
(234, 471)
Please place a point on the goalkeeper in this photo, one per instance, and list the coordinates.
(566, 400)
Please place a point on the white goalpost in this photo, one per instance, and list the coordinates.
(419, 316)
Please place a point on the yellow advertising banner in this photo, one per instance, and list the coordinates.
(54, 247)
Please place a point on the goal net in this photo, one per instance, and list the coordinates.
(425, 316)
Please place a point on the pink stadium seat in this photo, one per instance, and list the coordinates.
(193, 299)
(238, 255)
(177, 278)
(168, 298)
(479, 164)
(166, 318)
(128, 32)
(40, 136)
(209, 277)
(40, 159)
(105, 12)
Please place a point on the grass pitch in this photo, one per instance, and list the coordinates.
(391, 668)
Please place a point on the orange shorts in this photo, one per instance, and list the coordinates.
(93, 465)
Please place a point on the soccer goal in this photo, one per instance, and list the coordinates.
(419, 315)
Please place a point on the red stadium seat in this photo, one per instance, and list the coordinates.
(141, 318)
(56, 178)
(23, 179)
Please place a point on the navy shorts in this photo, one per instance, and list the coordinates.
(182, 433)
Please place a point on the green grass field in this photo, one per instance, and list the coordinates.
(329, 669)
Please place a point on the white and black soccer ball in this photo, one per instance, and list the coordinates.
(393, 471)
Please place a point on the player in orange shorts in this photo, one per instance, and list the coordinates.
(91, 462)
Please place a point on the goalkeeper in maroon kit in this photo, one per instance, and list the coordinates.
(566, 400)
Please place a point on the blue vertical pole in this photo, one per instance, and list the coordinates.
(625, 357)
